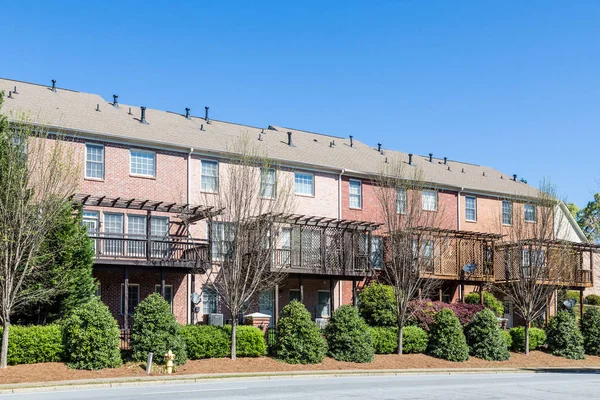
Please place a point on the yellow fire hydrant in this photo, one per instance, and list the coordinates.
(169, 357)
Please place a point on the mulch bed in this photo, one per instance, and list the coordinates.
(45, 372)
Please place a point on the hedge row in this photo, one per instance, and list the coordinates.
(385, 339)
(204, 341)
(34, 344)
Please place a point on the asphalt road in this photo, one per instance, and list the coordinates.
(521, 386)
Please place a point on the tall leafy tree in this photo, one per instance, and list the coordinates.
(588, 219)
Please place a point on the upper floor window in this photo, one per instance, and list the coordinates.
(209, 181)
(223, 236)
(530, 212)
(507, 212)
(401, 201)
(142, 163)
(304, 184)
(355, 194)
(91, 221)
(268, 181)
(430, 200)
(377, 252)
(471, 208)
(94, 161)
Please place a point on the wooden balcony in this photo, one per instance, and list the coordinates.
(170, 251)
(335, 263)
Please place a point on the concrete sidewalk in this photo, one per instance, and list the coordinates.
(193, 378)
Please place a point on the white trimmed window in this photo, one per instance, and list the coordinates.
(530, 212)
(91, 221)
(133, 297)
(94, 161)
(210, 300)
(429, 200)
(223, 235)
(323, 303)
(377, 252)
(268, 187)
(471, 208)
(355, 193)
(168, 294)
(209, 181)
(142, 163)
(401, 202)
(507, 212)
(304, 184)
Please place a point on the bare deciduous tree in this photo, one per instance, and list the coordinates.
(407, 246)
(530, 264)
(252, 192)
(37, 176)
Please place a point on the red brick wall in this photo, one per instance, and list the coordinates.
(110, 289)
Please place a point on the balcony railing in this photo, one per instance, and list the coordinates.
(139, 248)
(317, 262)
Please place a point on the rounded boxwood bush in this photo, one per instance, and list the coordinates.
(564, 337)
(377, 305)
(485, 338)
(34, 344)
(590, 328)
(154, 329)
(593, 299)
(385, 339)
(446, 337)
(250, 341)
(348, 336)
(204, 341)
(299, 339)
(91, 337)
(489, 300)
(537, 337)
(414, 340)
(508, 339)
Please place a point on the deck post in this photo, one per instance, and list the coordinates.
(354, 292)
(581, 303)
(162, 282)
(301, 289)
(148, 235)
(481, 293)
(441, 294)
(190, 304)
(331, 294)
(126, 300)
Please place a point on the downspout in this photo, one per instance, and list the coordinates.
(460, 286)
(340, 217)
(189, 195)
(458, 206)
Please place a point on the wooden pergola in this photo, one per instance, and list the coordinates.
(321, 222)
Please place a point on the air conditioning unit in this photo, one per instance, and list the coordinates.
(321, 322)
(215, 319)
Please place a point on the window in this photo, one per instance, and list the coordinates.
(209, 300)
(286, 246)
(526, 262)
(294, 294)
(222, 241)
(209, 181)
(355, 194)
(507, 212)
(376, 252)
(90, 221)
(94, 161)
(530, 212)
(266, 304)
(142, 163)
(427, 254)
(401, 201)
(168, 294)
(136, 231)
(113, 227)
(471, 208)
(430, 200)
(304, 184)
(133, 298)
(323, 304)
(159, 231)
(268, 187)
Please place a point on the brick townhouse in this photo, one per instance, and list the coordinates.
(148, 175)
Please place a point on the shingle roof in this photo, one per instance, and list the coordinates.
(76, 111)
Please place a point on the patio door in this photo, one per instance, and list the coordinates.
(113, 227)
(508, 313)
(267, 304)
(159, 230)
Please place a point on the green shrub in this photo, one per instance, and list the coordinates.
(590, 328)
(485, 338)
(91, 337)
(489, 301)
(250, 341)
(593, 299)
(572, 295)
(348, 336)
(564, 337)
(537, 337)
(204, 341)
(299, 339)
(414, 340)
(446, 337)
(377, 305)
(154, 329)
(508, 339)
(385, 339)
(34, 344)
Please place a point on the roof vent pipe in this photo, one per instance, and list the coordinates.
(15, 91)
(379, 147)
(129, 111)
(445, 160)
(10, 94)
(187, 113)
(143, 119)
(260, 136)
(410, 159)
(116, 100)
(430, 157)
(515, 177)
(290, 139)
(206, 114)
(54, 85)
(351, 141)
(97, 107)
(201, 127)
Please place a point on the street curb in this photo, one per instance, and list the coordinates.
(195, 378)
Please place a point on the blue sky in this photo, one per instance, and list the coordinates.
(512, 85)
